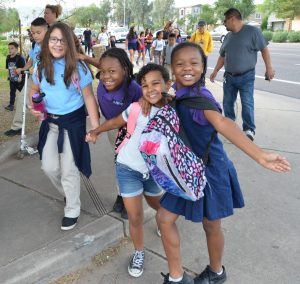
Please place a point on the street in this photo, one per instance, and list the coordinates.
(286, 63)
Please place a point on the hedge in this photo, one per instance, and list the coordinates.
(294, 37)
(280, 37)
(268, 35)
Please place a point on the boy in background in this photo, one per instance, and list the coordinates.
(16, 82)
(39, 28)
(167, 53)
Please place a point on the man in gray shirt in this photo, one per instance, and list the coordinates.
(238, 54)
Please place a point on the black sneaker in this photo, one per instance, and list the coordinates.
(136, 264)
(9, 107)
(119, 204)
(186, 279)
(12, 132)
(207, 276)
(124, 214)
(68, 223)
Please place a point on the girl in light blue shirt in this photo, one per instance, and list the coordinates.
(67, 85)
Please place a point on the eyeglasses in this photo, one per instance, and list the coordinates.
(226, 19)
(55, 40)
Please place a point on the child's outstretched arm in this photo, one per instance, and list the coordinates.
(113, 123)
(232, 132)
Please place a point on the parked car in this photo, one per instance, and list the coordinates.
(182, 33)
(219, 33)
(79, 33)
(119, 33)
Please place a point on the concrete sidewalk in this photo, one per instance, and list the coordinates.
(262, 240)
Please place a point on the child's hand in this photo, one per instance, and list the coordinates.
(275, 162)
(20, 79)
(18, 71)
(146, 106)
(91, 136)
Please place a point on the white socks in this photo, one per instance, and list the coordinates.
(175, 279)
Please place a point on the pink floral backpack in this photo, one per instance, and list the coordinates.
(166, 151)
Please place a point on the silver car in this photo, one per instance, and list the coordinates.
(119, 33)
(219, 33)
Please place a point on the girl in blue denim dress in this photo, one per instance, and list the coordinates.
(223, 192)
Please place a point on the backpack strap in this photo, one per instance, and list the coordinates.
(201, 103)
(131, 123)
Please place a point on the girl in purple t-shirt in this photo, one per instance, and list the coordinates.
(131, 42)
(115, 92)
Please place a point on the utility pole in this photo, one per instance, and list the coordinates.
(124, 12)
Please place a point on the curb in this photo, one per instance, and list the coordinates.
(12, 147)
(64, 255)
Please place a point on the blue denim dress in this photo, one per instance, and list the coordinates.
(222, 192)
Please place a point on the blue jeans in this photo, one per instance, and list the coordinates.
(244, 84)
(132, 183)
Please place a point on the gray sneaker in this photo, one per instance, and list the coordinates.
(186, 279)
(250, 134)
(136, 264)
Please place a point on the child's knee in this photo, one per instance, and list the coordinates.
(211, 226)
(136, 220)
(162, 217)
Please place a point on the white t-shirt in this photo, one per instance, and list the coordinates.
(158, 44)
(129, 154)
(103, 39)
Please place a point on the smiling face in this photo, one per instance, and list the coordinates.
(187, 66)
(112, 73)
(57, 44)
(153, 85)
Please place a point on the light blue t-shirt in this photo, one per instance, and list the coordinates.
(59, 99)
(34, 53)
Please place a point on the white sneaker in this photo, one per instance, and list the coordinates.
(250, 134)
(136, 264)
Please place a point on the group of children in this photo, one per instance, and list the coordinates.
(64, 151)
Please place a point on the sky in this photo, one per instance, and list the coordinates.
(26, 7)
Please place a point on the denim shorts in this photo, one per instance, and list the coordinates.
(132, 46)
(133, 183)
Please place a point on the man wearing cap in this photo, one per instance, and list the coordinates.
(238, 55)
(203, 38)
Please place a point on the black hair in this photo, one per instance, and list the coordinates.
(191, 45)
(38, 22)
(172, 35)
(188, 37)
(16, 45)
(152, 67)
(233, 12)
(121, 55)
(158, 33)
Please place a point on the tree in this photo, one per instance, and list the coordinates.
(163, 11)
(208, 14)
(90, 15)
(246, 7)
(140, 9)
(287, 8)
(9, 20)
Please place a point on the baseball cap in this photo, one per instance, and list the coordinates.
(201, 23)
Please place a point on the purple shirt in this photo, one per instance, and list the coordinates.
(132, 39)
(114, 103)
(197, 114)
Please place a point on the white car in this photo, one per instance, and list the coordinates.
(219, 33)
(119, 33)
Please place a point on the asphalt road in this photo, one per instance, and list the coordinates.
(286, 63)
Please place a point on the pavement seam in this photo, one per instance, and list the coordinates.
(46, 196)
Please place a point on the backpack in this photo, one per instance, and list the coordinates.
(125, 132)
(167, 151)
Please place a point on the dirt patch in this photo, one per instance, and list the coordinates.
(97, 261)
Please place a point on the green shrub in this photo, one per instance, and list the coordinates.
(280, 36)
(2, 37)
(294, 37)
(268, 35)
